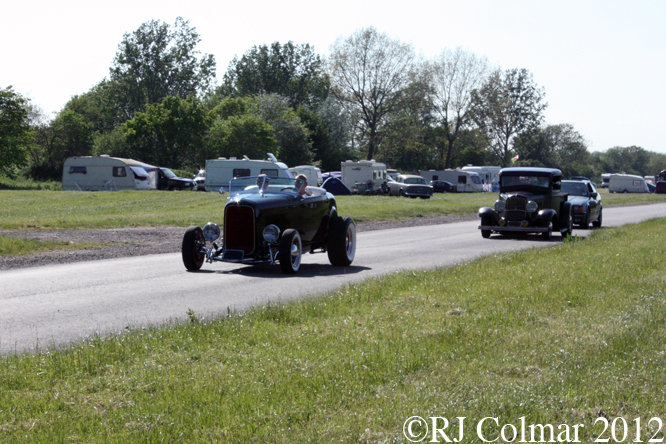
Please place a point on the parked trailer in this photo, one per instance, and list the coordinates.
(464, 181)
(220, 171)
(489, 176)
(605, 178)
(102, 173)
(364, 176)
(311, 172)
(627, 183)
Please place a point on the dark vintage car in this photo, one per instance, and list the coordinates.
(530, 201)
(268, 221)
(442, 186)
(409, 185)
(586, 207)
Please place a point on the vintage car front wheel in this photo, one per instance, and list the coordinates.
(291, 250)
(485, 221)
(341, 244)
(192, 248)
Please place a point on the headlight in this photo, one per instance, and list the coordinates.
(500, 205)
(531, 206)
(271, 234)
(211, 232)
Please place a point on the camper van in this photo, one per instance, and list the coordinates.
(364, 176)
(220, 171)
(311, 172)
(605, 178)
(627, 183)
(489, 176)
(464, 181)
(102, 173)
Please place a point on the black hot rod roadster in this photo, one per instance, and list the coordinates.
(269, 220)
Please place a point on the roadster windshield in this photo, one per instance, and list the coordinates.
(264, 185)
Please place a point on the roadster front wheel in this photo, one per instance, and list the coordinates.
(192, 248)
(341, 244)
(291, 251)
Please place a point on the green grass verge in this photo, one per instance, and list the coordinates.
(558, 335)
(78, 210)
(12, 246)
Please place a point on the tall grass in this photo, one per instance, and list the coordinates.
(558, 335)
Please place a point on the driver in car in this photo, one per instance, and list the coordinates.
(301, 185)
(262, 182)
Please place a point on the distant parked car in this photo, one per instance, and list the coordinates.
(167, 180)
(200, 180)
(579, 178)
(442, 186)
(585, 202)
(651, 188)
(411, 186)
(660, 188)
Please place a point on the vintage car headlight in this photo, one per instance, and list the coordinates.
(271, 234)
(500, 205)
(531, 206)
(211, 232)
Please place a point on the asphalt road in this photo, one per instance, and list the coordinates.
(50, 306)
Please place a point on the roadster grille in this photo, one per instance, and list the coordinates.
(515, 209)
(239, 228)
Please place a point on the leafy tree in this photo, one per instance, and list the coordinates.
(169, 133)
(329, 130)
(368, 70)
(99, 107)
(657, 163)
(507, 104)
(292, 71)
(407, 140)
(240, 135)
(454, 75)
(69, 134)
(158, 61)
(629, 160)
(16, 134)
(556, 146)
(292, 136)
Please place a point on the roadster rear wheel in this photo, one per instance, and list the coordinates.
(291, 250)
(341, 244)
(192, 248)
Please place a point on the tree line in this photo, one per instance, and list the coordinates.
(371, 98)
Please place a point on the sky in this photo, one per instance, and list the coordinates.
(600, 62)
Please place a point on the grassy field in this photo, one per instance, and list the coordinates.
(77, 210)
(562, 335)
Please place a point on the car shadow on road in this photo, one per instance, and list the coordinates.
(274, 271)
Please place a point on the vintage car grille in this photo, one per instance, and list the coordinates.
(239, 228)
(515, 209)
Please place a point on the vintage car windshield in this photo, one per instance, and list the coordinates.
(575, 188)
(415, 181)
(518, 182)
(264, 185)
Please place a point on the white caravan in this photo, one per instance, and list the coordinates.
(627, 183)
(464, 181)
(311, 172)
(605, 179)
(102, 173)
(357, 175)
(220, 171)
(489, 176)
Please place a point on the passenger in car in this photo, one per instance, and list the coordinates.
(301, 185)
